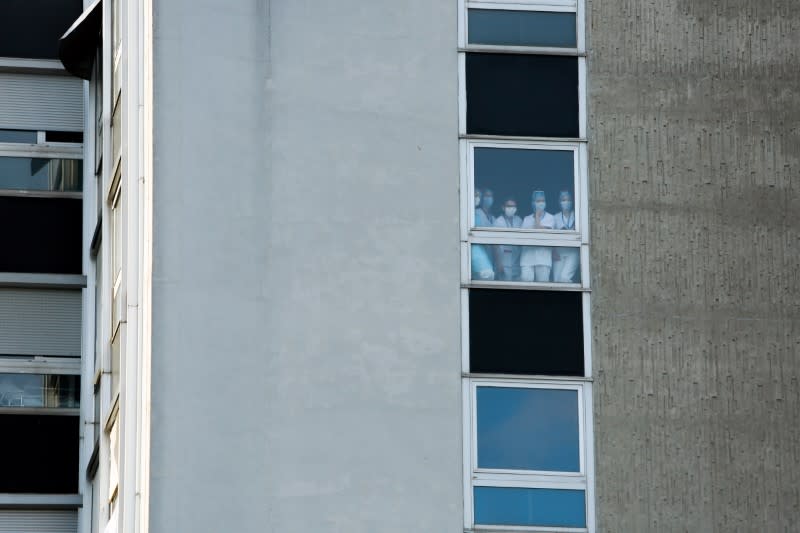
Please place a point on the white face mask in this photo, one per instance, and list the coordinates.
(540, 206)
(566, 205)
(510, 211)
(477, 201)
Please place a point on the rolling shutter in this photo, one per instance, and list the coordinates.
(40, 322)
(32, 521)
(41, 102)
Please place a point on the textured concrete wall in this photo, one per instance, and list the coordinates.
(306, 363)
(695, 211)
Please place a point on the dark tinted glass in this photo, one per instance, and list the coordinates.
(63, 137)
(528, 429)
(525, 332)
(17, 136)
(522, 28)
(506, 506)
(522, 94)
(32, 28)
(39, 454)
(41, 174)
(41, 235)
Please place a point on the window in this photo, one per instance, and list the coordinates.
(524, 174)
(528, 458)
(32, 28)
(515, 263)
(524, 270)
(39, 454)
(38, 390)
(41, 174)
(526, 332)
(18, 136)
(521, 28)
(43, 235)
(522, 95)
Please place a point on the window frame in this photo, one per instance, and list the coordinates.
(580, 185)
(587, 339)
(477, 477)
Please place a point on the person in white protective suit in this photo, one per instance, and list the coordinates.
(565, 260)
(536, 261)
(481, 254)
(507, 260)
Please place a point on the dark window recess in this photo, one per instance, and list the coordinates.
(42, 235)
(39, 454)
(63, 136)
(522, 95)
(32, 28)
(525, 332)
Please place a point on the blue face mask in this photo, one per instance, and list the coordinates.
(488, 201)
(566, 205)
(539, 206)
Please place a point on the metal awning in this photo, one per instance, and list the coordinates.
(77, 48)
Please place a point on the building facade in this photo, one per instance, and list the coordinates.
(465, 265)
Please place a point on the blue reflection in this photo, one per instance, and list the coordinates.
(528, 429)
(506, 506)
(522, 28)
(516, 173)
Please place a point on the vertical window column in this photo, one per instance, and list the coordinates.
(526, 344)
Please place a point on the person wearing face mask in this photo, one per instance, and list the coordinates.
(536, 261)
(480, 253)
(486, 203)
(507, 259)
(565, 260)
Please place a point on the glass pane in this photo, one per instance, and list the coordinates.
(39, 454)
(37, 390)
(63, 136)
(39, 174)
(506, 506)
(510, 262)
(32, 28)
(522, 28)
(528, 429)
(522, 94)
(538, 186)
(18, 136)
(43, 235)
(525, 332)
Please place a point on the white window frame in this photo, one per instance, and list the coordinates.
(579, 185)
(476, 477)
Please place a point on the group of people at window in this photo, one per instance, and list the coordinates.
(506, 262)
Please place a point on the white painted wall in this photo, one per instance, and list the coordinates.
(305, 349)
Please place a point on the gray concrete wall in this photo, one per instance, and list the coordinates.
(306, 364)
(694, 148)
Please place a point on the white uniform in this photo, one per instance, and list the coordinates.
(509, 254)
(566, 264)
(536, 261)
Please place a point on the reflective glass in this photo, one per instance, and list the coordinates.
(525, 332)
(524, 178)
(63, 136)
(528, 429)
(522, 95)
(522, 28)
(37, 390)
(40, 174)
(507, 506)
(18, 136)
(516, 263)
